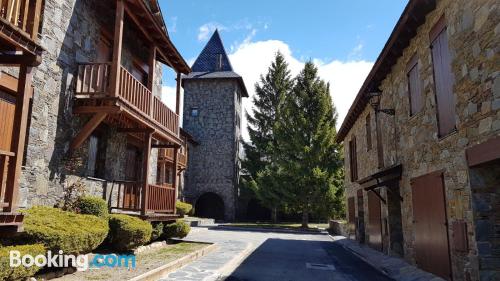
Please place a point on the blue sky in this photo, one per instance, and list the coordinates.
(344, 37)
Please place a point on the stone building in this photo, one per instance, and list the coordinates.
(422, 142)
(94, 117)
(212, 115)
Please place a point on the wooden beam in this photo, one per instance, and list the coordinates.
(23, 59)
(117, 49)
(97, 109)
(174, 180)
(135, 130)
(178, 94)
(87, 130)
(165, 146)
(145, 172)
(18, 138)
(36, 19)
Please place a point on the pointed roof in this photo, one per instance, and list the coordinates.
(213, 57)
(213, 63)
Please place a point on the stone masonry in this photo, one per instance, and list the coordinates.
(70, 34)
(473, 30)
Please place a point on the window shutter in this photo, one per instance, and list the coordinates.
(415, 90)
(443, 81)
(91, 164)
(353, 160)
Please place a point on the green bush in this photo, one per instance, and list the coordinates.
(183, 208)
(178, 229)
(92, 205)
(20, 272)
(157, 231)
(127, 232)
(61, 230)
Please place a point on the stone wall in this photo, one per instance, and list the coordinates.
(70, 34)
(213, 164)
(473, 31)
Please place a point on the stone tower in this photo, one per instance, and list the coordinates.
(212, 115)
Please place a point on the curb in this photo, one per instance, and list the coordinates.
(278, 230)
(158, 272)
(229, 267)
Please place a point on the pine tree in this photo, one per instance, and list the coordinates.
(260, 162)
(308, 154)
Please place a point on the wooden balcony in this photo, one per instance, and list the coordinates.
(167, 155)
(19, 24)
(158, 204)
(9, 221)
(133, 104)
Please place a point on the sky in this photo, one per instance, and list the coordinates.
(342, 37)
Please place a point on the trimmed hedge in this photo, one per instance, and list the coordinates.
(178, 229)
(8, 273)
(183, 208)
(157, 231)
(67, 231)
(92, 205)
(127, 232)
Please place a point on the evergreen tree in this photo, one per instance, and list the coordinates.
(309, 157)
(260, 162)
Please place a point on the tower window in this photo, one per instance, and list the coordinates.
(195, 112)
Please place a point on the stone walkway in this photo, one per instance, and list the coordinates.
(213, 265)
(394, 267)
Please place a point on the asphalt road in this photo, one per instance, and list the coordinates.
(275, 257)
(300, 258)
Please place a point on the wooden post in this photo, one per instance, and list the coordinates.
(380, 147)
(145, 172)
(178, 94)
(117, 49)
(151, 77)
(18, 137)
(174, 180)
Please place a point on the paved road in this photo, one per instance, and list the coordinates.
(274, 257)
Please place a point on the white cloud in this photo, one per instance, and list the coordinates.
(206, 30)
(251, 59)
(173, 23)
(356, 51)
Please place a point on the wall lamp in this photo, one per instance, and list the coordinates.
(375, 103)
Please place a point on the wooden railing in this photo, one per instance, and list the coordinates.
(93, 79)
(5, 156)
(165, 116)
(23, 14)
(135, 92)
(161, 198)
(182, 159)
(168, 155)
(127, 195)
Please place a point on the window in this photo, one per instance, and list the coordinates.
(353, 159)
(97, 156)
(443, 79)
(414, 86)
(368, 133)
(194, 112)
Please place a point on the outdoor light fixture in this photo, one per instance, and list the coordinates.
(375, 103)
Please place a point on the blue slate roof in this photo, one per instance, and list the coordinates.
(213, 63)
(212, 54)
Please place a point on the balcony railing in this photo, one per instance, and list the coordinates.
(93, 81)
(127, 195)
(167, 154)
(4, 164)
(23, 14)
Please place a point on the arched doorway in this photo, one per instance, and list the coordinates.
(209, 205)
(257, 212)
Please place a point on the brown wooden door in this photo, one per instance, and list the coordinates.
(360, 225)
(374, 222)
(351, 215)
(132, 173)
(430, 224)
(7, 108)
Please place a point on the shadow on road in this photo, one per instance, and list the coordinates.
(303, 260)
(265, 230)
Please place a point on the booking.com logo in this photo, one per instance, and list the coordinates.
(80, 262)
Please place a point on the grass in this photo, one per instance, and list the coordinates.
(285, 225)
(145, 261)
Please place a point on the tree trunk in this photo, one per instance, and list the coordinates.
(305, 218)
(274, 215)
